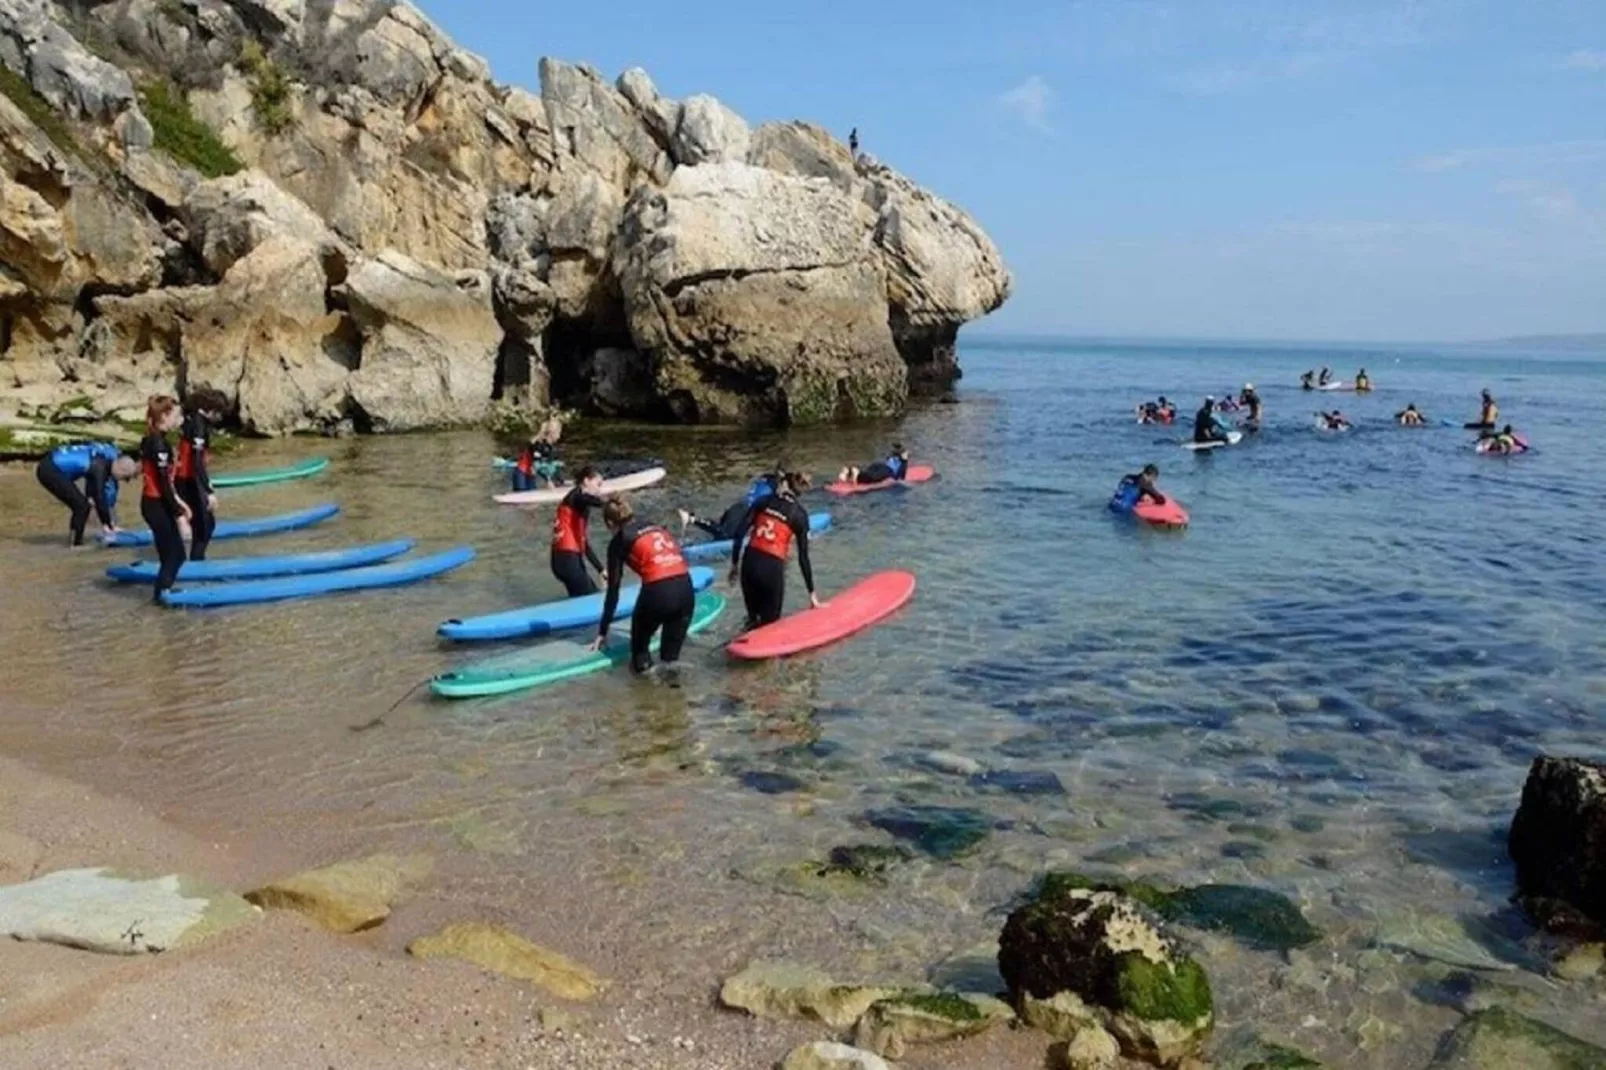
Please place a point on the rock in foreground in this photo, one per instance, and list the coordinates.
(346, 897)
(118, 914)
(1498, 1039)
(828, 1055)
(784, 990)
(494, 948)
(1558, 841)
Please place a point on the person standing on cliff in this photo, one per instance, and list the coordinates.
(853, 142)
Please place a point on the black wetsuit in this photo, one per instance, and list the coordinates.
(571, 543)
(881, 471)
(59, 473)
(537, 459)
(729, 522)
(192, 479)
(159, 505)
(776, 523)
(1146, 488)
(666, 600)
(1205, 428)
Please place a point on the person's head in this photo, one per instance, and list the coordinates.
(589, 479)
(124, 468)
(550, 431)
(1151, 470)
(1210, 399)
(899, 452)
(162, 414)
(1486, 395)
(1506, 430)
(1163, 401)
(208, 401)
(617, 512)
(1411, 407)
(1249, 386)
(794, 483)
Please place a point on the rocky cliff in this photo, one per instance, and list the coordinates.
(329, 211)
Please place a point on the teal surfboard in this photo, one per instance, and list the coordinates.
(309, 467)
(555, 661)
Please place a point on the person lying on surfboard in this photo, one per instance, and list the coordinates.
(1333, 421)
(776, 524)
(896, 466)
(762, 487)
(1144, 482)
(1410, 416)
(1207, 426)
(1502, 441)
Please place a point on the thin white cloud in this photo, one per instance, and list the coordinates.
(1585, 59)
(1548, 154)
(1549, 201)
(1031, 101)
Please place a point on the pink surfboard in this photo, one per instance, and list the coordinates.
(865, 603)
(918, 473)
(1169, 515)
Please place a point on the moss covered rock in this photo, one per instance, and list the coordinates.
(891, 1025)
(1499, 1039)
(1104, 947)
(1256, 917)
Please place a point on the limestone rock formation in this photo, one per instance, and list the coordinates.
(118, 913)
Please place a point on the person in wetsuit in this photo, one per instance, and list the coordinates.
(1250, 400)
(1207, 425)
(896, 466)
(1363, 382)
(776, 524)
(1325, 377)
(666, 600)
(192, 477)
(101, 466)
(167, 514)
(1144, 481)
(538, 460)
(571, 535)
(1488, 414)
(1333, 421)
(1410, 416)
(762, 487)
(1308, 381)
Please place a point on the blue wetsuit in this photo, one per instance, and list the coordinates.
(60, 471)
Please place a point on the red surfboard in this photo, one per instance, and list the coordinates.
(918, 473)
(1169, 515)
(865, 603)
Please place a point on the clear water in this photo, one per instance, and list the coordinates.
(1331, 684)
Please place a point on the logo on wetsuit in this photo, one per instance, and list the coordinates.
(772, 534)
(654, 556)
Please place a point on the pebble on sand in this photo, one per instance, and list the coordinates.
(494, 948)
(346, 897)
(118, 913)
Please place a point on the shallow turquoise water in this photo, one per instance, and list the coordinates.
(1331, 684)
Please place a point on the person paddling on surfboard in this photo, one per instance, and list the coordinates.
(1410, 416)
(1144, 483)
(571, 535)
(1503, 441)
(667, 599)
(762, 487)
(1207, 426)
(1333, 421)
(896, 466)
(776, 523)
(101, 466)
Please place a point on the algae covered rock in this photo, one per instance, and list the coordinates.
(1092, 1048)
(348, 896)
(828, 1055)
(943, 832)
(1255, 917)
(1500, 1039)
(891, 1025)
(786, 990)
(116, 913)
(496, 949)
(1107, 950)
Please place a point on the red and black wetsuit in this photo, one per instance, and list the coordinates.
(192, 479)
(666, 599)
(776, 523)
(571, 543)
(159, 505)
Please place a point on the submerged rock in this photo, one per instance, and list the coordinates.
(1019, 783)
(1499, 1039)
(770, 783)
(1247, 1050)
(1439, 938)
(828, 1055)
(348, 896)
(117, 913)
(866, 861)
(940, 831)
(785, 990)
(1104, 949)
(1558, 841)
(496, 949)
(891, 1025)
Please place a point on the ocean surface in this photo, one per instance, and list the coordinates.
(1330, 685)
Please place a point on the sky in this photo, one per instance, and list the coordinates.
(1399, 170)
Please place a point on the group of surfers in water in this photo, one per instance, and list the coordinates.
(1313, 380)
(1207, 423)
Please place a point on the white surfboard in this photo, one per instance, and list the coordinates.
(1233, 438)
(634, 481)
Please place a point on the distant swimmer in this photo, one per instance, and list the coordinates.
(1325, 377)
(1207, 426)
(1333, 421)
(101, 466)
(1144, 483)
(1308, 380)
(762, 487)
(776, 524)
(666, 600)
(571, 534)
(1363, 382)
(1250, 400)
(1488, 414)
(1505, 440)
(1410, 416)
(896, 466)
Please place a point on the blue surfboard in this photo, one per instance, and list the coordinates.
(549, 617)
(235, 529)
(394, 574)
(819, 523)
(253, 568)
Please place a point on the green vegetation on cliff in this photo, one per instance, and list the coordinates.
(39, 111)
(181, 135)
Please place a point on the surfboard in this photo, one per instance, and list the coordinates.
(865, 603)
(918, 473)
(819, 524)
(393, 574)
(561, 659)
(250, 568)
(549, 617)
(1233, 438)
(634, 481)
(1336, 384)
(235, 529)
(1169, 515)
(301, 470)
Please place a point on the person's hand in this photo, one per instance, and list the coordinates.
(109, 531)
(814, 600)
(733, 577)
(211, 503)
(596, 644)
(184, 531)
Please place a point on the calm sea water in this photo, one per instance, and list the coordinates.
(1331, 684)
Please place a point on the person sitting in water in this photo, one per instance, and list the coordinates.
(759, 562)
(1363, 382)
(1168, 411)
(1334, 421)
(1228, 403)
(896, 466)
(666, 599)
(538, 460)
(1502, 441)
(1308, 380)
(1325, 378)
(1410, 416)
(1207, 426)
(571, 534)
(1144, 481)
(1250, 400)
(101, 466)
(1148, 413)
(763, 486)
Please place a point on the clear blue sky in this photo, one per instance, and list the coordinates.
(1317, 169)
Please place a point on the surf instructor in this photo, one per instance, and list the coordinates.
(101, 466)
(1207, 425)
(667, 599)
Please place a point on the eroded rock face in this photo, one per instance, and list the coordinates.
(1558, 841)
